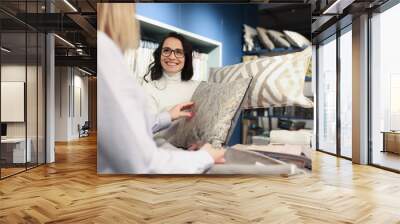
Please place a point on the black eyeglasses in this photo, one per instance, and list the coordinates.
(166, 52)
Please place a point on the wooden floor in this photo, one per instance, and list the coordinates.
(70, 191)
(387, 159)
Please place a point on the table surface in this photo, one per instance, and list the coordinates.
(391, 132)
(13, 140)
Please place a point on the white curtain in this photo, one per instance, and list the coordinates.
(140, 59)
(200, 66)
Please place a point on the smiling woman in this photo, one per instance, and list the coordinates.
(168, 80)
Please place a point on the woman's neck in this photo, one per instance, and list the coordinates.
(172, 76)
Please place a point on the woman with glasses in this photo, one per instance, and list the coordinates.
(168, 80)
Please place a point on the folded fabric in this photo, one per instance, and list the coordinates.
(299, 155)
(299, 137)
(247, 162)
(217, 107)
(277, 81)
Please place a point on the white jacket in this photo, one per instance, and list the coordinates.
(124, 138)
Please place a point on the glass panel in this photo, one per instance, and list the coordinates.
(327, 96)
(41, 98)
(31, 100)
(346, 94)
(385, 84)
(13, 87)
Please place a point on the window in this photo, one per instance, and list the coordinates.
(327, 96)
(346, 75)
(385, 85)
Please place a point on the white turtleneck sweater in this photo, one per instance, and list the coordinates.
(169, 91)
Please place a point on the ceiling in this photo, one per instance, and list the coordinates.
(76, 22)
(76, 25)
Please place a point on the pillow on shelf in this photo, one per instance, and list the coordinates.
(296, 39)
(217, 106)
(278, 38)
(285, 124)
(297, 125)
(249, 34)
(277, 81)
(265, 40)
(299, 137)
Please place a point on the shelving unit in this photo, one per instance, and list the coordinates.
(251, 119)
(274, 52)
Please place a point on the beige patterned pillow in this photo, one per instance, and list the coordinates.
(278, 38)
(296, 39)
(216, 107)
(277, 81)
(265, 40)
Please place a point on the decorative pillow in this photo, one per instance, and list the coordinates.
(300, 137)
(216, 107)
(296, 39)
(297, 125)
(277, 81)
(285, 124)
(265, 40)
(249, 34)
(278, 38)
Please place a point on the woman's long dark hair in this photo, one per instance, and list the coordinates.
(155, 69)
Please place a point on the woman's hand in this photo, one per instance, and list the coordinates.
(196, 146)
(216, 154)
(178, 111)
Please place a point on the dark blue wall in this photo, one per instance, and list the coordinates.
(221, 22)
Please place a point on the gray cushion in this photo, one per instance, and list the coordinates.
(265, 40)
(278, 38)
(296, 39)
(216, 106)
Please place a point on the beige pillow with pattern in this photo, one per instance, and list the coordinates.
(264, 39)
(278, 38)
(277, 80)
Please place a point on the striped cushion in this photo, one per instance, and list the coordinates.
(277, 80)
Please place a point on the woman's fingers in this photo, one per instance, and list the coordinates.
(186, 114)
(216, 154)
(179, 111)
(186, 106)
(193, 147)
(220, 160)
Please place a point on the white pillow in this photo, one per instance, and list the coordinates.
(296, 39)
(249, 34)
(300, 137)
